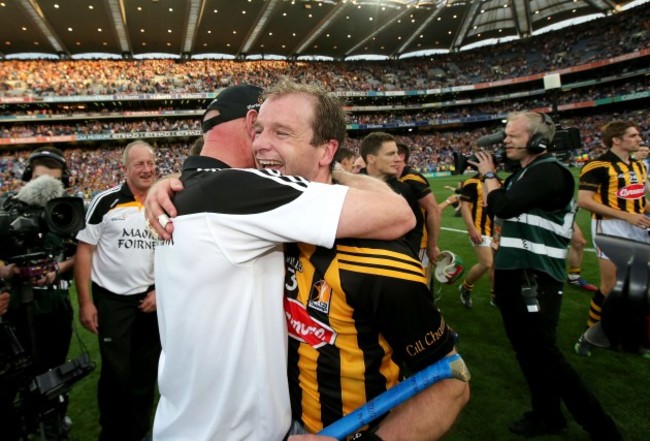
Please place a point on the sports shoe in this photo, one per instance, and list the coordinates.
(530, 426)
(582, 347)
(465, 296)
(582, 284)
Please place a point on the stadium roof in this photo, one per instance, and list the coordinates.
(338, 29)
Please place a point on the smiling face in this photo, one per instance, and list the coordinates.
(283, 136)
(140, 168)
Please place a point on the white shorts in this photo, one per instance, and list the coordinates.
(618, 228)
(424, 257)
(487, 241)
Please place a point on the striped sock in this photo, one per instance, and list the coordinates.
(596, 308)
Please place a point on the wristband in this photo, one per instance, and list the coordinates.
(366, 436)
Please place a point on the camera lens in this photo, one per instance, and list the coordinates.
(63, 215)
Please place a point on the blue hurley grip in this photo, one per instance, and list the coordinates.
(394, 396)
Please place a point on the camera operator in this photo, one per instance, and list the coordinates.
(43, 326)
(536, 208)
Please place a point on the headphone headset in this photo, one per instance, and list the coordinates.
(29, 170)
(538, 142)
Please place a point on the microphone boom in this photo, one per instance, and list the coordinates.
(494, 138)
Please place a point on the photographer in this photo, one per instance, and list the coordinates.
(43, 324)
(536, 208)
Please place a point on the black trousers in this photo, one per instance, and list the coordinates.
(45, 336)
(129, 344)
(551, 379)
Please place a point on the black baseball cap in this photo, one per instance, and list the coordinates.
(232, 102)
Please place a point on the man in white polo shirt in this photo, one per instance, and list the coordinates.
(222, 372)
(115, 256)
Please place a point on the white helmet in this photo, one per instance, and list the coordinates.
(448, 267)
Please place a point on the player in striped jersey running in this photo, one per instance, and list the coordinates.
(612, 188)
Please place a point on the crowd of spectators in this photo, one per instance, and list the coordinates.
(615, 35)
(96, 168)
(485, 110)
(100, 127)
(71, 110)
(93, 169)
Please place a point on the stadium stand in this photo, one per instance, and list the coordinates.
(437, 105)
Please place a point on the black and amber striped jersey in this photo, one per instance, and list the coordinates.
(473, 192)
(414, 236)
(420, 186)
(615, 184)
(356, 314)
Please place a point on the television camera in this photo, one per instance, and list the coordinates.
(564, 142)
(37, 209)
(625, 320)
(27, 221)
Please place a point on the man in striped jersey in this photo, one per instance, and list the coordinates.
(357, 312)
(429, 249)
(535, 206)
(612, 188)
(473, 208)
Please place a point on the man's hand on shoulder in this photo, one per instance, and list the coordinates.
(159, 207)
